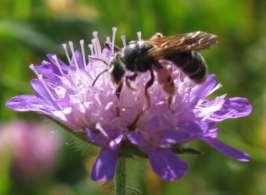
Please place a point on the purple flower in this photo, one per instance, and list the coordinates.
(33, 147)
(65, 92)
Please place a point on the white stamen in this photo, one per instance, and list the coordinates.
(48, 91)
(40, 77)
(114, 29)
(58, 64)
(139, 36)
(95, 34)
(66, 52)
(109, 105)
(62, 114)
(97, 42)
(91, 53)
(33, 68)
(108, 39)
(83, 52)
(100, 128)
(123, 38)
(73, 54)
(94, 46)
(91, 49)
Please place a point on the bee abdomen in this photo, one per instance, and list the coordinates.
(192, 64)
(199, 75)
(196, 68)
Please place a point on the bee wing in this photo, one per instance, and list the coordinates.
(163, 45)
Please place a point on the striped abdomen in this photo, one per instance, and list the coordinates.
(191, 63)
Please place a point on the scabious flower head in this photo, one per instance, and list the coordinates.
(33, 148)
(68, 93)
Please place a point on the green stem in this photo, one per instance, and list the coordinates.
(120, 178)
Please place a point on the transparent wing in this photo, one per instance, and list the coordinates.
(164, 45)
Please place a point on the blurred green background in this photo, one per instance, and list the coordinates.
(29, 29)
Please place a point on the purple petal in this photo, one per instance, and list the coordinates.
(151, 124)
(77, 58)
(42, 92)
(136, 138)
(202, 91)
(104, 166)
(190, 127)
(167, 165)
(96, 137)
(232, 108)
(114, 143)
(210, 133)
(227, 150)
(107, 52)
(174, 137)
(25, 103)
(206, 108)
(64, 67)
(111, 138)
(47, 69)
(39, 89)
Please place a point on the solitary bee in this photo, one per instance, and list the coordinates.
(144, 55)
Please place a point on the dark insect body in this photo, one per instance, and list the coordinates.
(144, 55)
(191, 63)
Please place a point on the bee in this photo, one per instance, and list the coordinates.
(144, 55)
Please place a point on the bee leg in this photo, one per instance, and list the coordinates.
(98, 76)
(118, 89)
(131, 78)
(170, 88)
(147, 86)
(167, 82)
(119, 86)
(117, 74)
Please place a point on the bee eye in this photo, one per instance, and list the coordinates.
(145, 47)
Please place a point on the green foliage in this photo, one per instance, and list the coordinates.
(5, 158)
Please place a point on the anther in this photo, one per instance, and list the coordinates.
(91, 49)
(83, 53)
(66, 52)
(139, 36)
(99, 127)
(48, 91)
(114, 29)
(108, 39)
(97, 43)
(94, 45)
(73, 54)
(58, 64)
(123, 38)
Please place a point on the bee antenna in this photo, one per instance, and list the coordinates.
(99, 59)
(98, 76)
